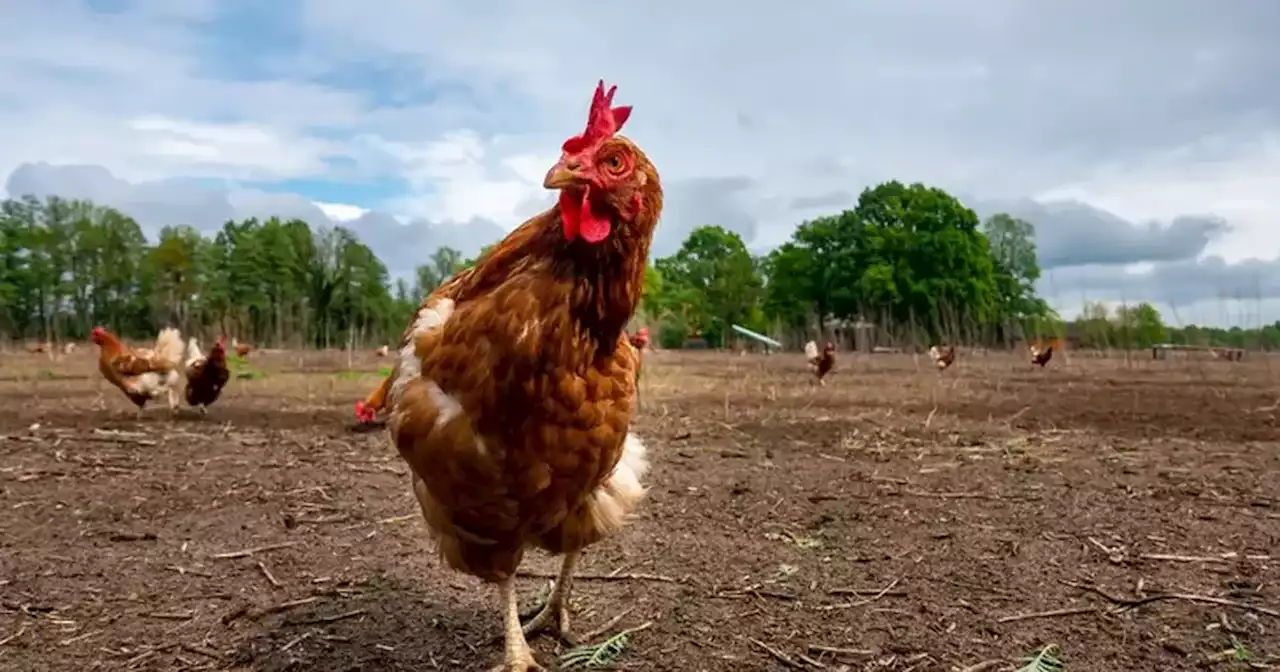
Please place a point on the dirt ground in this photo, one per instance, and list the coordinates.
(895, 519)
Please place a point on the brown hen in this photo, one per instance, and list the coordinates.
(514, 389)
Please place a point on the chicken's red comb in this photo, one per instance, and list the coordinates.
(602, 120)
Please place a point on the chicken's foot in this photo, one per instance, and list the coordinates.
(554, 616)
(518, 657)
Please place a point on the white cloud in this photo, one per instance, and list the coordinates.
(756, 117)
(1236, 182)
(455, 179)
(341, 212)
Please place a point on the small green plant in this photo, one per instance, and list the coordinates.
(1045, 661)
(595, 656)
(1239, 651)
(239, 367)
(385, 371)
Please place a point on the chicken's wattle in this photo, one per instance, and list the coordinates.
(580, 220)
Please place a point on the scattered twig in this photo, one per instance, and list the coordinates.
(294, 642)
(189, 570)
(1225, 557)
(336, 617)
(398, 519)
(133, 536)
(859, 603)
(171, 615)
(14, 636)
(1127, 604)
(267, 573)
(782, 657)
(948, 495)
(204, 651)
(537, 574)
(984, 666)
(258, 549)
(840, 651)
(607, 626)
(865, 591)
(72, 640)
(284, 606)
(1048, 614)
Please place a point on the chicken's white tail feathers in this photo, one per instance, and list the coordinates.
(169, 346)
(606, 509)
(934, 353)
(193, 351)
(622, 491)
(811, 350)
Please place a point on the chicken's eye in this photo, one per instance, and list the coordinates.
(613, 164)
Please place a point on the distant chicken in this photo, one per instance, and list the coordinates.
(367, 410)
(942, 358)
(382, 352)
(68, 348)
(1039, 356)
(823, 362)
(40, 348)
(206, 376)
(640, 339)
(142, 373)
(242, 349)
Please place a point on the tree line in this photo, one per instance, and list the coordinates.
(909, 259)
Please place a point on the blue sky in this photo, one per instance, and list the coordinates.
(1147, 155)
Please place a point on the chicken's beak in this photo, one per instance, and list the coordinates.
(566, 173)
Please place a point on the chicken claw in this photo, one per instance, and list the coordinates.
(554, 616)
(523, 664)
(518, 655)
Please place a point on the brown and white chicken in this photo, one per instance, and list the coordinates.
(942, 357)
(514, 387)
(820, 362)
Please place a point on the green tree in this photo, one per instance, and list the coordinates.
(1139, 326)
(715, 277)
(1013, 251)
(443, 264)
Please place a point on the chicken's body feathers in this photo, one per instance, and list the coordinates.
(206, 375)
(143, 373)
(532, 426)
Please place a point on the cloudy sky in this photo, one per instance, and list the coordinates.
(1142, 138)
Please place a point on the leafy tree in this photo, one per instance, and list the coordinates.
(1139, 326)
(715, 278)
(1013, 250)
(444, 263)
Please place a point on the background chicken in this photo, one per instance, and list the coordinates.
(640, 339)
(142, 373)
(242, 349)
(515, 386)
(942, 357)
(367, 410)
(381, 352)
(1039, 356)
(823, 362)
(206, 376)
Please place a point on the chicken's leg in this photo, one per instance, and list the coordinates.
(554, 616)
(518, 656)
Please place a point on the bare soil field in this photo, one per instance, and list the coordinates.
(895, 519)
